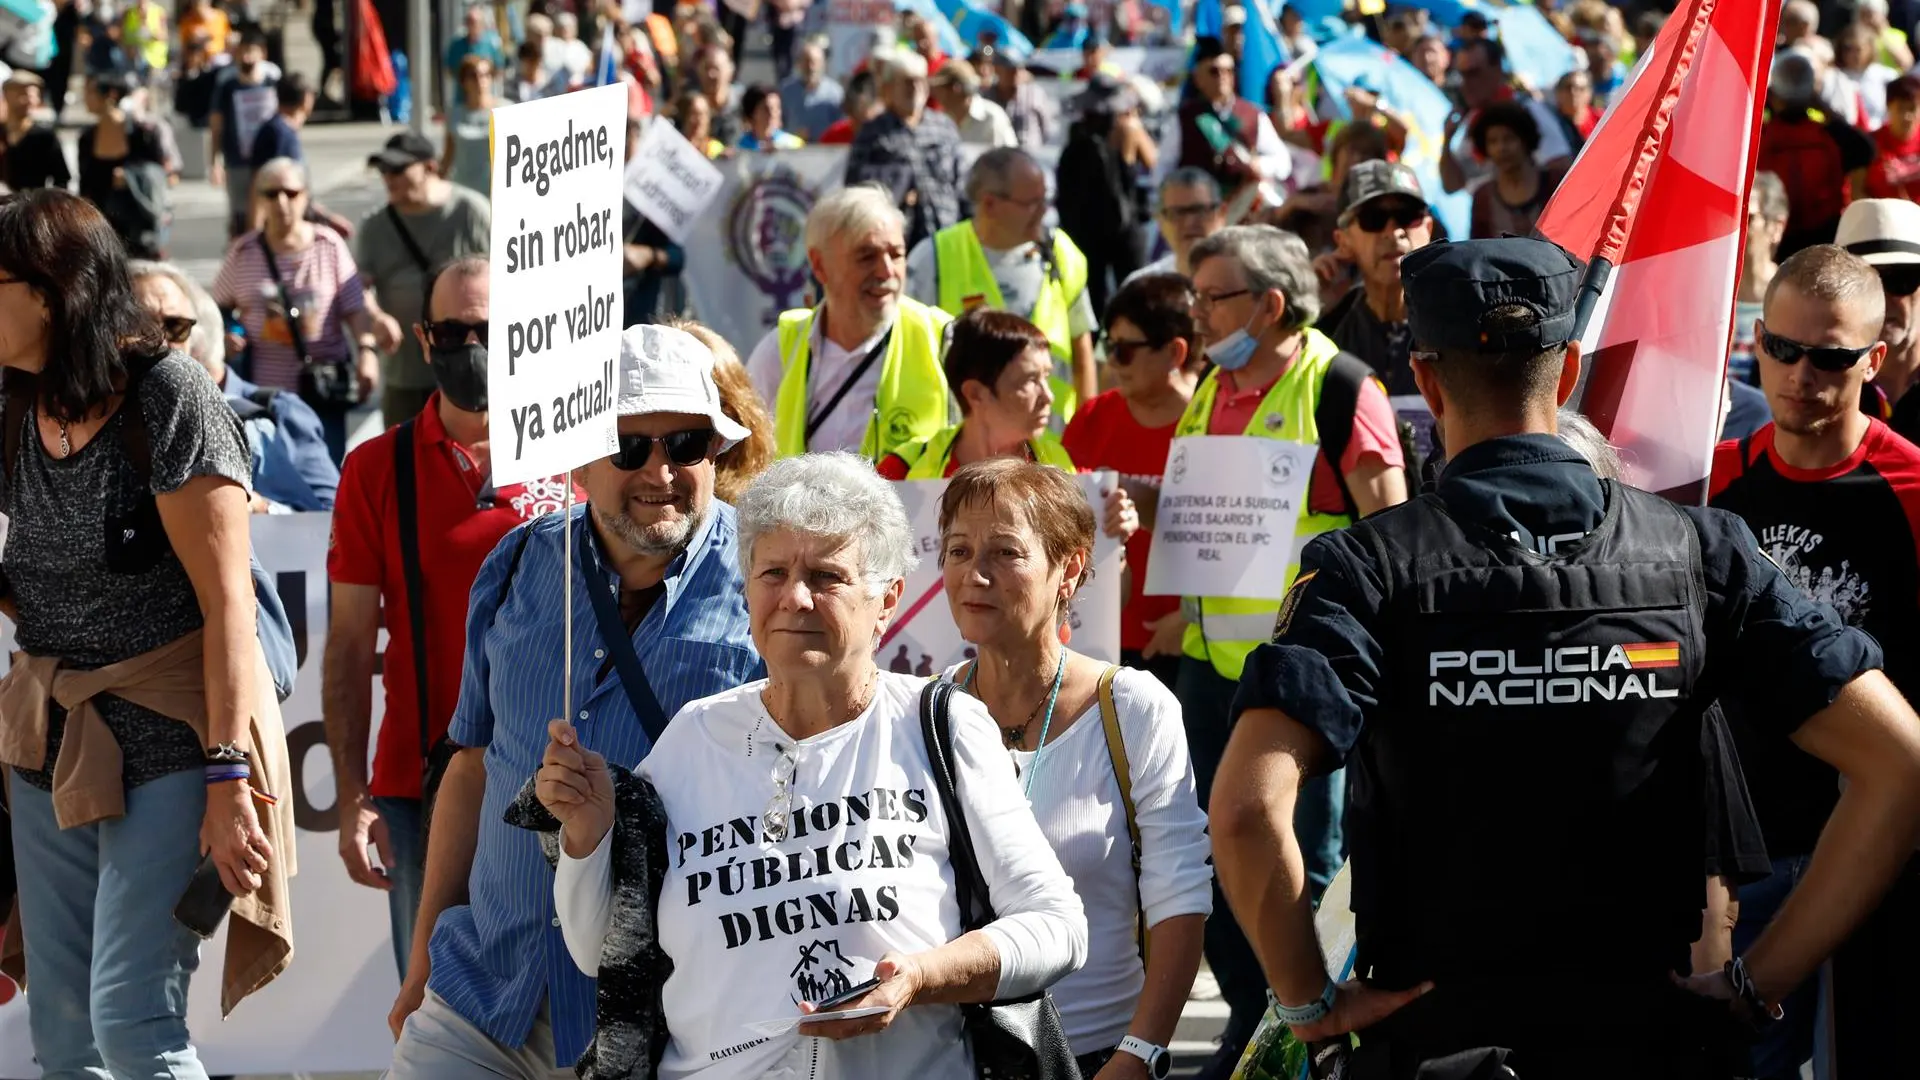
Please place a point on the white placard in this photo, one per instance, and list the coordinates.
(253, 106)
(1228, 507)
(923, 639)
(558, 179)
(327, 1013)
(671, 181)
(850, 27)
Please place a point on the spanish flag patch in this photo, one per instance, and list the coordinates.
(1652, 654)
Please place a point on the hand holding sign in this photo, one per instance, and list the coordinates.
(574, 785)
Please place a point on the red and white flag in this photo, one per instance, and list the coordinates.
(1660, 194)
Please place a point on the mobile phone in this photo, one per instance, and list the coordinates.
(857, 990)
(205, 903)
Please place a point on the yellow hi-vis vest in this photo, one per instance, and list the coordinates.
(911, 401)
(927, 459)
(1224, 631)
(960, 266)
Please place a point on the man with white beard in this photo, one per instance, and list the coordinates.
(1886, 233)
(861, 371)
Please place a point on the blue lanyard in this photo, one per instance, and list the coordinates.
(1053, 698)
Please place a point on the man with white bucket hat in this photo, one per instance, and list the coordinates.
(1886, 233)
(660, 619)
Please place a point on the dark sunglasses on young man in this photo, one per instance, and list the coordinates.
(683, 448)
(1374, 217)
(177, 328)
(452, 333)
(1828, 358)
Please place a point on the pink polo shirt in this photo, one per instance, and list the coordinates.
(1375, 433)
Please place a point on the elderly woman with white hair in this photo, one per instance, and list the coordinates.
(807, 847)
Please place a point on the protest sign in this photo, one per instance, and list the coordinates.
(850, 31)
(747, 256)
(558, 183)
(923, 639)
(327, 1012)
(671, 181)
(1228, 508)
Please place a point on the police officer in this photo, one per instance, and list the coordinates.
(1514, 669)
(1005, 257)
(861, 372)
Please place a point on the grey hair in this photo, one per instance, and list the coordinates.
(1269, 258)
(1793, 78)
(1190, 176)
(1772, 196)
(208, 343)
(1578, 432)
(993, 171)
(835, 496)
(277, 167)
(566, 20)
(897, 63)
(851, 211)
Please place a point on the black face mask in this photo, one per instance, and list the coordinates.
(462, 375)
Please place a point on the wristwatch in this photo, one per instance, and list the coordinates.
(1159, 1062)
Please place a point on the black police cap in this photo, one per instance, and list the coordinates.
(1452, 287)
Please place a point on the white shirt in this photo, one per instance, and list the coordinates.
(987, 124)
(828, 366)
(1553, 144)
(1276, 163)
(1165, 264)
(1019, 272)
(750, 937)
(1077, 800)
(1871, 88)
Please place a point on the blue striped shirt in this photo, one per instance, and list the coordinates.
(496, 958)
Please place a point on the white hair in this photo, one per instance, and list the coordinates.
(567, 21)
(1579, 433)
(836, 496)
(208, 343)
(851, 211)
(276, 168)
(539, 24)
(897, 63)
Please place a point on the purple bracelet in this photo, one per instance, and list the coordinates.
(220, 774)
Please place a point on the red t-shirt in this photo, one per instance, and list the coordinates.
(1375, 431)
(838, 133)
(461, 521)
(1895, 172)
(1105, 435)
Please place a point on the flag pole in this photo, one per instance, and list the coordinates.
(1592, 286)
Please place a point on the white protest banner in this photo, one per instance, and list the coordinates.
(923, 639)
(328, 1011)
(747, 256)
(670, 180)
(1227, 513)
(850, 27)
(558, 182)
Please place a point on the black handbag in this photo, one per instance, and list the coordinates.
(324, 384)
(1018, 1038)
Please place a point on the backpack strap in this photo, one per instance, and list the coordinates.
(263, 396)
(1123, 772)
(406, 493)
(1333, 415)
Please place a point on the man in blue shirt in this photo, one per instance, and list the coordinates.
(491, 989)
(810, 98)
(280, 135)
(243, 100)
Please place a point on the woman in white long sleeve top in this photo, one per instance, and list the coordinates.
(806, 847)
(1016, 542)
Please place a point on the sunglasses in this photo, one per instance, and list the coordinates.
(274, 194)
(1121, 353)
(780, 807)
(177, 328)
(1900, 280)
(683, 448)
(452, 333)
(1788, 352)
(1374, 218)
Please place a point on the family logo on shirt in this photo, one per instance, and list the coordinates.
(720, 865)
(821, 972)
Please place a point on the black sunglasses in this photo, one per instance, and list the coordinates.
(452, 333)
(1829, 358)
(177, 328)
(1121, 353)
(683, 448)
(1374, 217)
(1899, 280)
(273, 194)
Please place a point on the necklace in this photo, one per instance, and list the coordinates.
(1014, 736)
(66, 444)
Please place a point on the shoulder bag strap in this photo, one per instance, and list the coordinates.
(1123, 772)
(406, 238)
(820, 417)
(619, 641)
(936, 727)
(406, 493)
(286, 303)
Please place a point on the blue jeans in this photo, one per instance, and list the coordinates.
(108, 964)
(1206, 697)
(1779, 1052)
(402, 818)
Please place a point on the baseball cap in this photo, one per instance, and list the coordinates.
(1452, 287)
(665, 370)
(1885, 232)
(1234, 16)
(403, 150)
(1370, 180)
